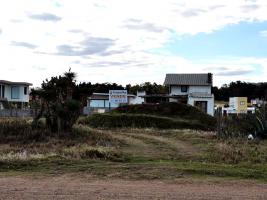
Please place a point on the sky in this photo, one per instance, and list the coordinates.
(133, 41)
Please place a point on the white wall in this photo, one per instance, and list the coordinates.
(210, 103)
(233, 102)
(136, 100)
(200, 89)
(176, 90)
(22, 97)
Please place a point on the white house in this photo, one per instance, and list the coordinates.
(193, 89)
(14, 93)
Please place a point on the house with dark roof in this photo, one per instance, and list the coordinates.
(193, 89)
(14, 93)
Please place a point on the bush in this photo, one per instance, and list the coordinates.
(174, 110)
(241, 126)
(112, 120)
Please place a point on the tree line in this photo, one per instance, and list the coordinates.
(240, 89)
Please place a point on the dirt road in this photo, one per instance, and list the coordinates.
(73, 187)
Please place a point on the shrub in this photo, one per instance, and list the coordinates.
(242, 126)
(112, 120)
(20, 130)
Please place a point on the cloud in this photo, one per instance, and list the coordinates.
(15, 21)
(122, 37)
(263, 33)
(234, 72)
(24, 44)
(135, 24)
(249, 8)
(1, 31)
(193, 12)
(76, 31)
(90, 46)
(215, 7)
(45, 17)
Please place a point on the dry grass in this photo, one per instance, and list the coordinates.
(138, 153)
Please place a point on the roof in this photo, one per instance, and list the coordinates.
(188, 79)
(14, 83)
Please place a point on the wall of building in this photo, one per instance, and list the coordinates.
(136, 100)
(200, 89)
(210, 103)
(238, 104)
(176, 90)
(22, 97)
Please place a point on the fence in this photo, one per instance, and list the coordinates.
(16, 113)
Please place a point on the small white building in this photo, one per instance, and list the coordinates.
(193, 89)
(238, 105)
(99, 102)
(14, 93)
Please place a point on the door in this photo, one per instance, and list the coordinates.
(202, 105)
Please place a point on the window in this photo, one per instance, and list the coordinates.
(184, 88)
(14, 92)
(2, 91)
(97, 103)
(25, 90)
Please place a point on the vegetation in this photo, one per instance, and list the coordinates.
(58, 103)
(240, 89)
(137, 153)
(242, 125)
(141, 121)
(174, 110)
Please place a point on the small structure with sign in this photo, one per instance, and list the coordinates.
(118, 96)
(238, 105)
(103, 102)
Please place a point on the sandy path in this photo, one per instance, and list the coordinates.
(73, 187)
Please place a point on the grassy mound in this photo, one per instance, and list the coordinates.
(172, 110)
(117, 120)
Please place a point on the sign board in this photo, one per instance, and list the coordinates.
(118, 96)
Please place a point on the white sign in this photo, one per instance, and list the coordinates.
(118, 96)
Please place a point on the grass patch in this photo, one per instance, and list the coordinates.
(144, 153)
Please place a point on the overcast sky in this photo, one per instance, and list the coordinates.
(133, 41)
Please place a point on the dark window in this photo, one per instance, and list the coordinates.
(3, 91)
(25, 90)
(184, 88)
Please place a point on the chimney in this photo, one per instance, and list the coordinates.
(210, 79)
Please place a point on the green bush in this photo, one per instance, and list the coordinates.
(112, 120)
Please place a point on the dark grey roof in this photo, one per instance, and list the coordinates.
(188, 79)
(14, 83)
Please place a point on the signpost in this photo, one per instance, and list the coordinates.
(118, 96)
